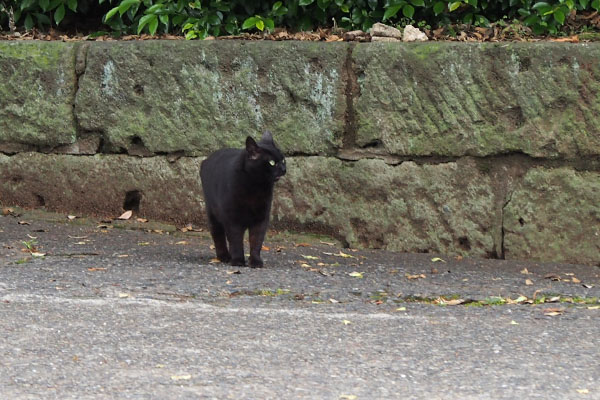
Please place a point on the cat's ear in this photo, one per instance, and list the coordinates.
(252, 148)
(267, 137)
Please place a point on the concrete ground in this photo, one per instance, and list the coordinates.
(139, 310)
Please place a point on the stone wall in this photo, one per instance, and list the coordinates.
(481, 149)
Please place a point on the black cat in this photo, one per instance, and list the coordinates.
(238, 190)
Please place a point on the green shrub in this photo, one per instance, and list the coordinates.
(201, 18)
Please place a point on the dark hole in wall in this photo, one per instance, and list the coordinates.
(137, 140)
(132, 200)
(521, 221)
(373, 143)
(138, 89)
(41, 202)
(464, 243)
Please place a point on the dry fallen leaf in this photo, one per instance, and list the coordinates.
(142, 220)
(327, 243)
(437, 259)
(181, 377)
(237, 272)
(37, 254)
(126, 215)
(575, 280)
(583, 391)
(347, 397)
(123, 255)
(24, 223)
(552, 312)
(525, 271)
(513, 322)
(302, 245)
(7, 211)
(265, 248)
(123, 295)
(453, 302)
(94, 269)
(71, 217)
(401, 309)
(419, 276)
(182, 242)
(552, 277)
(310, 257)
(214, 260)
(528, 282)
(346, 322)
(585, 285)
(594, 308)
(356, 274)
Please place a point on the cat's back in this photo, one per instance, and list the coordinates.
(220, 161)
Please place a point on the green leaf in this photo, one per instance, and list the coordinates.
(26, 3)
(42, 19)
(596, 5)
(111, 13)
(323, 4)
(249, 23)
(584, 3)
(28, 22)
(214, 19)
(472, 3)
(144, 21)
(154, 8)
(44, 4)
(153, 25)
(303, 3)
(454, 5)
(559, 16)
(408, 11)
(440, 6)
(72, 4)
(59, 14)
(126, 5)
(391, 11)
(260, 25)
(270, 24)
(418, 3)
(540, 4)
(277, 6)
(164, 19)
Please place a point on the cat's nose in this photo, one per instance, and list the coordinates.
(282, 169)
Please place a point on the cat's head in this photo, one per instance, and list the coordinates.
(264, 158)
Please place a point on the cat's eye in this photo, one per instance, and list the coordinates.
(272, 163)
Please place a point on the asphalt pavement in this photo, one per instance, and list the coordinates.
(93, 309)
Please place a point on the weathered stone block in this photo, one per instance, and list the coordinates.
(201, 96)
(425, 208)
(168, 191)
(554, 216)
(36, 93)
(456, 99)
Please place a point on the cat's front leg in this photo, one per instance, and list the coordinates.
(235, 237)
(256, 238)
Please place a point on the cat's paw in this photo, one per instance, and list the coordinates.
(239, 262)
(256, 263)
(224, 258)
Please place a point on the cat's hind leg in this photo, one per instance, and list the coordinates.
(256, 238)
(235, 237)
(217, 231)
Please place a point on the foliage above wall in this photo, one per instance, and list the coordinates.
(201, 18)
